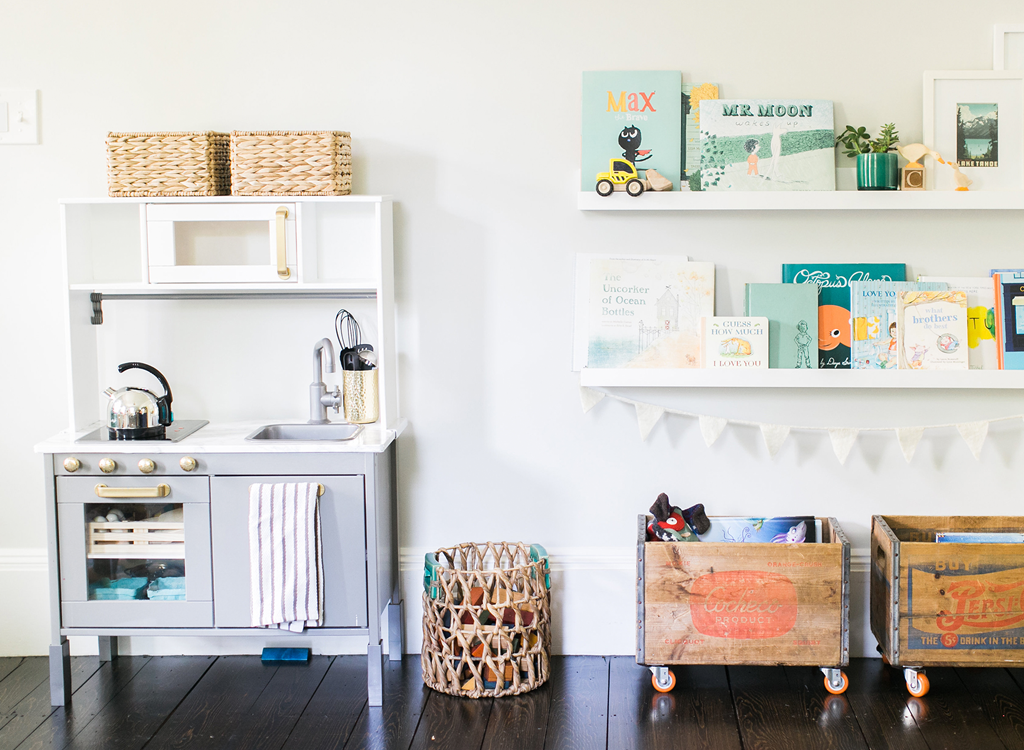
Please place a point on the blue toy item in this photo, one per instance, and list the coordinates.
(286, 654)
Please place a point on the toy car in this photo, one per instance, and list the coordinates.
(620, 172)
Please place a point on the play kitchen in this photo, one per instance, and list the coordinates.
(149, 516)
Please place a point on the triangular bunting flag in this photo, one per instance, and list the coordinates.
(843, 439)
(647, 415)
(909, 437)
(589, 398)
(774, 436)
(974, 433)
(711, 428)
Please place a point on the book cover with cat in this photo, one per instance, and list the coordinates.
(634, 116)
(835, 335)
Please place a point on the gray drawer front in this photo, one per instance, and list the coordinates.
(183, 489)
(343, 531)
(141, 614)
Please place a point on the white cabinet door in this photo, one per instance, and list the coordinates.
(343, 532)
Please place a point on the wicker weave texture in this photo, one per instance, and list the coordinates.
(296, 162)
(161, 164)
(490, 622)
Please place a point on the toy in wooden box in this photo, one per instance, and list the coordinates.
(954, 604)
(744, 603)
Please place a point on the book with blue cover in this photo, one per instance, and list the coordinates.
(833, 282)
(792, 312)
(632, 115)
(1009, 317)
(779, 530)
(980, 537)
(873, 312)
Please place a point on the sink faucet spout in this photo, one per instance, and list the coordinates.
(319, 398)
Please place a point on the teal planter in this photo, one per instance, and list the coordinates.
(878, 171)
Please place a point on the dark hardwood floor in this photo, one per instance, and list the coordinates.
(589, 702)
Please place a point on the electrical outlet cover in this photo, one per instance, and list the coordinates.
(22, 116)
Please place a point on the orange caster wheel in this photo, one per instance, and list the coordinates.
(836, 682)
(917, 684)
(667, 681)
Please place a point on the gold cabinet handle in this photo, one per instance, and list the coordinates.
(282, 245)
(161, 490)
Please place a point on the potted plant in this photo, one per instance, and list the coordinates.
(877, 164)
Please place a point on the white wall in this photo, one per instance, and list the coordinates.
(468, 114)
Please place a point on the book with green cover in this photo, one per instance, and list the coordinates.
(833, 283)
(792, 312)
(633, 115)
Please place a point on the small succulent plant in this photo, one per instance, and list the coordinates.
(859, 141)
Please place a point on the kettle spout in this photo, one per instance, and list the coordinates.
(109, 392)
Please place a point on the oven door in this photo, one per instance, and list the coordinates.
(134, 551)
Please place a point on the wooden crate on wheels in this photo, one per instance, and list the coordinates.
(744, 603)
(950, 604)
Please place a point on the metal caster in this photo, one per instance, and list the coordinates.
(663, 679)
(917, 681)
(836, 680)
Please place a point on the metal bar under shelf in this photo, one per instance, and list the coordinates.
(97, 297)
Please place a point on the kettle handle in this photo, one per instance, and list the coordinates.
(165, 400)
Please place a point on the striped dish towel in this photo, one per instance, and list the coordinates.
(285, 556)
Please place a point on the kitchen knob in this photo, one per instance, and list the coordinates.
(72, 464)
(187, 463)
(107, 465)
(146, 466)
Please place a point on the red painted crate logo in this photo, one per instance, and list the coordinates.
(743, 604)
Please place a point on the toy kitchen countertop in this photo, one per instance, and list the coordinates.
(224, 437)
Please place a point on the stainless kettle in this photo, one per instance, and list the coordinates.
(135, 413)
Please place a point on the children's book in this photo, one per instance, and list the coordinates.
(767, 144)
(792, 312)
(982, 347)
(646, 311)
(931, 330)
(779, 530)
(833, 282)
(980, 537)
(1009, 317)
(734, 343)
(693, 95)
(873, 315)
(634, 116)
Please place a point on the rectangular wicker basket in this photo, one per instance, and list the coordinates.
(291, 162)
(162, 164)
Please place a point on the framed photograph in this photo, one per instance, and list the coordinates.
(1008, 47)
(975, 120)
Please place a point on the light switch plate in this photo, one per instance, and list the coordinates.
(22, 116)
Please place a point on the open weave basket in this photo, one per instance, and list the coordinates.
(510, 589)
(295, 162)
(159, 164)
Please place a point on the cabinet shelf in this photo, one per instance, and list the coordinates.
(839, 200)
(935, 379)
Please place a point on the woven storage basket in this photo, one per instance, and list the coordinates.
(296, 162)
(486, 620)
(159, 164)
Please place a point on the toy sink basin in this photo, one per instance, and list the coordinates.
(306, 432)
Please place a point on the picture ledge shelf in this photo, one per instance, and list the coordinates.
(839, 200)
(698, 378)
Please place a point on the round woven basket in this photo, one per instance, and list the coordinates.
(486, 620)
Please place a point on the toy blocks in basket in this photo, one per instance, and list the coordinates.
(486, 619)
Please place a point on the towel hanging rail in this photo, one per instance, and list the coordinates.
(319, 489)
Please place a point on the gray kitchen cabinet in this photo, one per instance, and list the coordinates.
(342, 531)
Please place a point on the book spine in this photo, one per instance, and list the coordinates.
(999, 321)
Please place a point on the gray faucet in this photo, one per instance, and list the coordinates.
(319, 398)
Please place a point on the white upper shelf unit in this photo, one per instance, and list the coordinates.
(697, 378)
(839, 200)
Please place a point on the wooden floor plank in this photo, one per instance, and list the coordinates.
(1002, 700)
(949, 717)
(578, 715)
(697, 713)
(770, 713)
(30, 674)
(392, 725)
(879, 695)
(450, 723)
(519, 722)
(67, 721)
(135, 713)
(216, 708)
(832, 716)
(8, 664)
(332, 712)
(35, 708)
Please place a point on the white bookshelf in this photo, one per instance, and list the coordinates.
(839, 200)
(934, 379)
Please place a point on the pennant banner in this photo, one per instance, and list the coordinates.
(909, 437)
(974, 433)
(711, 428)
(774, 436)
(590, 398)
(843, 439)
(647, 415)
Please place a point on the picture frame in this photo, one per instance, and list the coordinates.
(975, 119)
(1008, 47)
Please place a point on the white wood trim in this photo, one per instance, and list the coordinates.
(22, 560)
(784, 378)
(999, 43)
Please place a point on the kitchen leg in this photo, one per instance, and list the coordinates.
(375, 676)
(108, 647)
(396, 646)
(60, 673)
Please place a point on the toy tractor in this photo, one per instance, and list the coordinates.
(620, 173)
